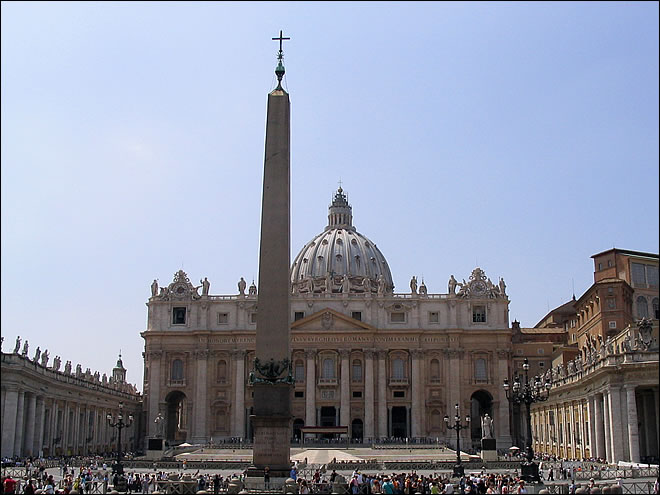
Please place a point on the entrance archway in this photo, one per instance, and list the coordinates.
(176, 418)
(481, 403)
(357, 430)
(297, 424)
(399, 422)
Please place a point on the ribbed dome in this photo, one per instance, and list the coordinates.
(337, 252)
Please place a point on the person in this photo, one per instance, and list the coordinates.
(266, 479)
(29, 488)
(50, 485)
(521, 487)
(216, 483)
(293, 474)
(9, 485)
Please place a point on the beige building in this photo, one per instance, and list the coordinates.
(48, 411)
(604, 400)
(384, 364)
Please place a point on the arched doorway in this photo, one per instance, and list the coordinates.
(177, 421)
(481, 403)
(399, 422)
(297, 424)
(357, 430)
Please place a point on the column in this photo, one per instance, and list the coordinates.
(633, 433)
(9, 422)
(616, 425)
(38, 444)
(382, 396)
(310, 388)
(369, 395)
(503, 430)
(591, 417)
(154, 358)
(29, 426)
(599, 423)
(417, 401)
(20, 424)
(583, 434)
(571, 419)
(345, 390)
(606, 425)
(201, 400)
(239, 402)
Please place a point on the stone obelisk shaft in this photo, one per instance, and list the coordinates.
(272, 401)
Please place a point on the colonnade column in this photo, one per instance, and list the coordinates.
(345, 389)
(29, 427)
(9, 422)
(591, 418)
(239, 402)
(415, 389)
(633, 433)
(382, 395)
(154, 360)
(616, 425)
(369, 395)
(599, 422)
(310, 388)
(20, 424)
(606, 425)
(39, 427)
(201, 399)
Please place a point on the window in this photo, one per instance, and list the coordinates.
(434, 317)
(176, 374)
(540, 351)
(610, 290)
(435, 370)
(357, 315)
(223, 318)
(479, 314)
(222, 371)
(398, 372)
(298, 315)
(399, 394)
(300, 371)
(397, 317)
(357, 395)
(328, 370)
(600, 266)
(612, 324)
(656, 308)
(611, 303)
(644, 275)
(480, 373)
(541, 364)
(357, 370)
(178, 316)
(253, 318)
(299, 394)
(642, 307)
(609, 263)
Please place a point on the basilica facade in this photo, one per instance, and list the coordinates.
(382, 363)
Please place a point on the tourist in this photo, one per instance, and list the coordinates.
(9, 485)
(521, 487)
(266, 478)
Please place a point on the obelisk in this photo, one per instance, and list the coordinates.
(271, 376)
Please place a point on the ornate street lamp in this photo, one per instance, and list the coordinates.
(528, 393)
(119, 424)
(459, 470)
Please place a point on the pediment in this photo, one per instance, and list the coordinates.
(330, 320)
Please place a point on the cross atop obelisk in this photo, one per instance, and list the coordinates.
(279, 71)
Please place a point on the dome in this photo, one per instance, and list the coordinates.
(340, 257)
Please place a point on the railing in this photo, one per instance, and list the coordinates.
(637, 487)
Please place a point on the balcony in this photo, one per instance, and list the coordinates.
(398, 382)
(327, 381)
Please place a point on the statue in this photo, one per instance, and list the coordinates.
(97, 376)
(206, 285)
(160, 423)
(57, 362)
(329, 282)
(67, 368)
(44, 358)
(413, 285)
(37, 355)
(18, 345)
(253, 289)
(25, 348)
(452, 285)
(645, 329)
(79, 370)
(154, 288)
(486, 426)
(366, 285)
(502, 287)
(381, 284)
(164, 293)
(627, 345)
(104, 379)
(346, 284)
(241, 286)
(422, 289)
(464, 288)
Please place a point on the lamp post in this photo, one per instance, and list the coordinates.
(119, 424)
(459, 470)
(528, 393)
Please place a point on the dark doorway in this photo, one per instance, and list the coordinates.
(328, 418)
(481, 403)
(297, 424)
(399, 422)
(357, 430)
(177, 427)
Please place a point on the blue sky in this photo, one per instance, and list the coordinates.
(518, 137)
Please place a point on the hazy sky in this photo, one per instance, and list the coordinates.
(518, 137)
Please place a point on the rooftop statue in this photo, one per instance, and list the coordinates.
(154, 288)
(18, 345)
(413, 285)
(25, 348)
(206, 285)
(452, 285)
(44, 358)
(241, 286)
